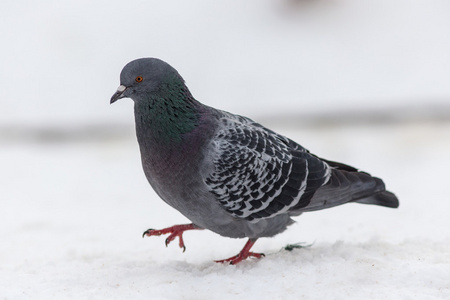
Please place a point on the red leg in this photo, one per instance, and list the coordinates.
(175, 231)
(244, 254)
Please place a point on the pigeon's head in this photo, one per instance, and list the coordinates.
(142, 77)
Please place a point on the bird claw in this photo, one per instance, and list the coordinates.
(244, 254)
(148, 232)
(238, 258)
(172, 237)
(175, 231)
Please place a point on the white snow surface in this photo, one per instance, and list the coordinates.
(73, 214)
(61, 59)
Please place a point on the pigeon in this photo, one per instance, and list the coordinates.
(225, 172)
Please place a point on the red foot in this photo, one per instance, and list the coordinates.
(175, 231)
(244, 254)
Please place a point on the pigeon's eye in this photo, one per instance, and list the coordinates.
(139, 79)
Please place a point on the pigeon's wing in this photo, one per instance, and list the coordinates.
(259, 174)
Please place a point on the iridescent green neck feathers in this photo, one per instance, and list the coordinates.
(168, 113)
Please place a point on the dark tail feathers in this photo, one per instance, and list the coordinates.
(385, 198)
(348, 185)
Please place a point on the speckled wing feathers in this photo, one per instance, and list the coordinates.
(260, 174)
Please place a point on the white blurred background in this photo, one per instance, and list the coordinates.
(61, 60)
(363, 82)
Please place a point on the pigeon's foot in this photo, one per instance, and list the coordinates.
(175, 231)
(240, 257)
(244, 254)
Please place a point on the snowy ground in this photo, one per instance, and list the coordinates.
(73, 214)
(61, 60)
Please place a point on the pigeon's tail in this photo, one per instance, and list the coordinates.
(349, 185)
(385, 198)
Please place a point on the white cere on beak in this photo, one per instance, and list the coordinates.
(121, 88)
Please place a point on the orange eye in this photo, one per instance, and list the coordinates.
(139, 79)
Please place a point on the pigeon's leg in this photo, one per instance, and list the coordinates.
(244, 254)
(175, 231)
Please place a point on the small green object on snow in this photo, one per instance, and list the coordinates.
(291, 247)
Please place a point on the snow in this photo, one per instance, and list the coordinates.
(75, 200)
(63, 59)
(74, 213)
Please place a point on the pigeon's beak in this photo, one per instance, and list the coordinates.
(118, 94)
